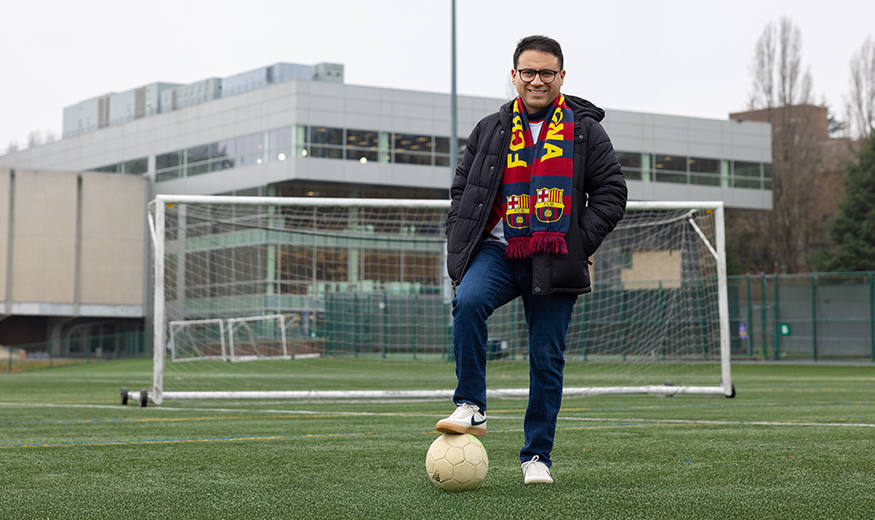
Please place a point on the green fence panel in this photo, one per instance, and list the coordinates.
(812, 316)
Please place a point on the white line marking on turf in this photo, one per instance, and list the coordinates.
(690, 421)
(64, 405)
(789, 422)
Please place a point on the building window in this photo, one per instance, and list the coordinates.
(442, 150)
(223, 154)
(362, 145)
(746, 175)
(413, 158)
(134, 166)
(326, 152)
(326, 142)
(630, 162)
(362, 156)
(168, 166)
(279, 144)
(197, 158)
(704, 171)
(301, 141)
(249, 149)
(413, 149)
(168, 160)
(671, 168)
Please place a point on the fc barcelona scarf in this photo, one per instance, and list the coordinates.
(536, 187)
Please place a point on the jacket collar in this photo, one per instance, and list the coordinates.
(581, 108)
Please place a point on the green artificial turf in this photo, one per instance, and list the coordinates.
(796, 443)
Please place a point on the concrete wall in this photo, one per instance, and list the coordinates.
(71, 244)
(113, 219)
(44, 237)
(5, 178)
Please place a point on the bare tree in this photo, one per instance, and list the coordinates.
(785, 236)
(861, 103)
(776, 70)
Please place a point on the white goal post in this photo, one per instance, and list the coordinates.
(363, 279)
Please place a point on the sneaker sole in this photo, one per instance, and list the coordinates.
(539, 481)
(447, 427)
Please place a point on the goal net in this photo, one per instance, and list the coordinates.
(314, 298)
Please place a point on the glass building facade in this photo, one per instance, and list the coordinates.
(316, 141)
(701, 171)
(303, 141)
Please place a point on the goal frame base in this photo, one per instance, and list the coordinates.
(338, 395)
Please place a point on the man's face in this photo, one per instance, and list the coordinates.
(536, 94)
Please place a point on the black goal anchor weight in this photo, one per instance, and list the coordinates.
(144, 396)
(671, 394)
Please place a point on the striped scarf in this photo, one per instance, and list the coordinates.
(541, 172)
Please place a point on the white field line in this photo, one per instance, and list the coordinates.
(65, 405)
(690, 421)
(390, 414)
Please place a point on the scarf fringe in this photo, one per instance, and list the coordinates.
(517, 247)
(540, 243)
(547, 243)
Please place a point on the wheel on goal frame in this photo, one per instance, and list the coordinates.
(124, 395)
(144, 398)
(730, 396)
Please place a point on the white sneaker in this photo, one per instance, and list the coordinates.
(466, 419)
(536, 471)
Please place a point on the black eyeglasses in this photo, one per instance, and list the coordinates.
(547, 75)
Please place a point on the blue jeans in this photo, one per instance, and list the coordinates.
(492, 281)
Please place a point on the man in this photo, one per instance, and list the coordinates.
(538, 189)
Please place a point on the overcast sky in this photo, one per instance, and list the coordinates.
(678, 57)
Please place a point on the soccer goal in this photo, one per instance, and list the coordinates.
(196, 340)
(319, 298)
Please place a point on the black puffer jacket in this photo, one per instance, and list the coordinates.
(598, 198)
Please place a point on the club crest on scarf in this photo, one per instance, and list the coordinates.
(550, 204)
(541, 171)
(517, 214)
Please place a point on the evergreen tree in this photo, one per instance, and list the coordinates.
(852, 231)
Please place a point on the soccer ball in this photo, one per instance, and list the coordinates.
(456, 462)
